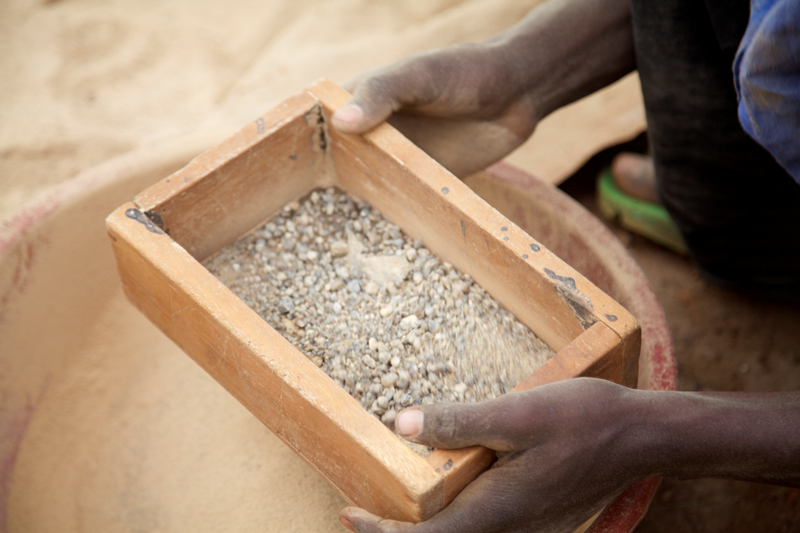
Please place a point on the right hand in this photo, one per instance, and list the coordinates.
(564, 450)
(464, 105)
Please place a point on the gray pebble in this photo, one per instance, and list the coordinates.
(389, 417)
(354, 286)
(402, 379)
(288, 243)
(382, 401)
(285, 305)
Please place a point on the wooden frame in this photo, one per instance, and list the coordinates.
(161, 236)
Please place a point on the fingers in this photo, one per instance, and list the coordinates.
(503, 424)
(490, 503)
(366, 109)
(379, 93)
(360, 521)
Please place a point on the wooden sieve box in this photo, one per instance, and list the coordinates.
(161, 236)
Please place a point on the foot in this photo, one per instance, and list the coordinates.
(635, 174)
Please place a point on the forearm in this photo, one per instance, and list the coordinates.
(745, 436)
(564, 50)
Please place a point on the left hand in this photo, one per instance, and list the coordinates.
(464, 105)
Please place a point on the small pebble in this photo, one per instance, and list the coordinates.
(402, 380)
(388, 380)
(389, 417)
(339, 249)
(383, 402)
(371, 288)
(354, 286)
(285, 305)
(409, 322)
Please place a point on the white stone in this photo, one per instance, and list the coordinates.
(371, 288)
(409, 322)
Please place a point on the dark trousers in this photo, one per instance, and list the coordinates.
(738, 210)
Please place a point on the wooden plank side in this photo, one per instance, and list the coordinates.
(233, 187)
(270, 377)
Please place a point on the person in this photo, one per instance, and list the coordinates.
(568, 449)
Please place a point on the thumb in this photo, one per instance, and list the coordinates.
(360, 521)
(380, 92)
(502, 424)
(372, 103)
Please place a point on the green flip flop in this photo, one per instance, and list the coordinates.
(638, 216)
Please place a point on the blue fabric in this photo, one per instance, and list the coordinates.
(767, 77)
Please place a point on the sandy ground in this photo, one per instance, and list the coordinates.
(84, 80)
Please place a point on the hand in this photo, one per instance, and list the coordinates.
(463, 105)
(562, 457)
(469, 105)
(569, 448)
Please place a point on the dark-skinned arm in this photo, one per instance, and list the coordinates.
(469, 105)
(568, 449)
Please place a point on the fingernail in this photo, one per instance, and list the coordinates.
(346, 523)
(349, 114)
(409, 423)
